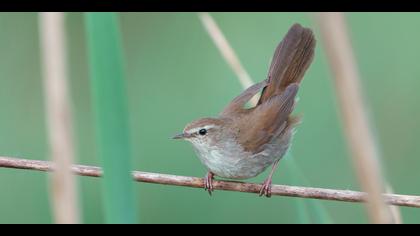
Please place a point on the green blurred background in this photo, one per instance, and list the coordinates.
(175, 74)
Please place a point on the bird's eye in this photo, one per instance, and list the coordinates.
(202, 131)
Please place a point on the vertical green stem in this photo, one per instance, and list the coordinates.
(109, 102)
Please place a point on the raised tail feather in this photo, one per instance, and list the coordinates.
(291, 59)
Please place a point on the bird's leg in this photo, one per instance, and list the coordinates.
(266, 186)
(208, 182)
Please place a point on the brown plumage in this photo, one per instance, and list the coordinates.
(242, 143)
(291, 59)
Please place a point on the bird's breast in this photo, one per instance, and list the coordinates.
(231, 161)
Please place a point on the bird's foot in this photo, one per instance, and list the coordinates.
(266, 188)
(208, 182)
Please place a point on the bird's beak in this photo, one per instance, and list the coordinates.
(180, 136)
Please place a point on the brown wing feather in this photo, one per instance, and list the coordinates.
(263, 123)
(259, 125)
(237, 104)
(291, 59)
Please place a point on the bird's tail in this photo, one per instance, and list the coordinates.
(291, 59)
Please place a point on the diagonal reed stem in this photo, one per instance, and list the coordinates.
(227, 52)
(353, 112)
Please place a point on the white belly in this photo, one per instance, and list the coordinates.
(231, 161)
(236, 163)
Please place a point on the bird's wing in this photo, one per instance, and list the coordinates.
(267, 120)
(237, 104)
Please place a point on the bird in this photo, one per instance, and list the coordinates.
(241, 143)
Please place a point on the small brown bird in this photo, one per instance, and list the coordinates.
(241, 143)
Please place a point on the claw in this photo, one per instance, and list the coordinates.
(266, 188)
(208, 182)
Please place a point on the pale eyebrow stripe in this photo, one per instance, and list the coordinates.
(197, 129)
